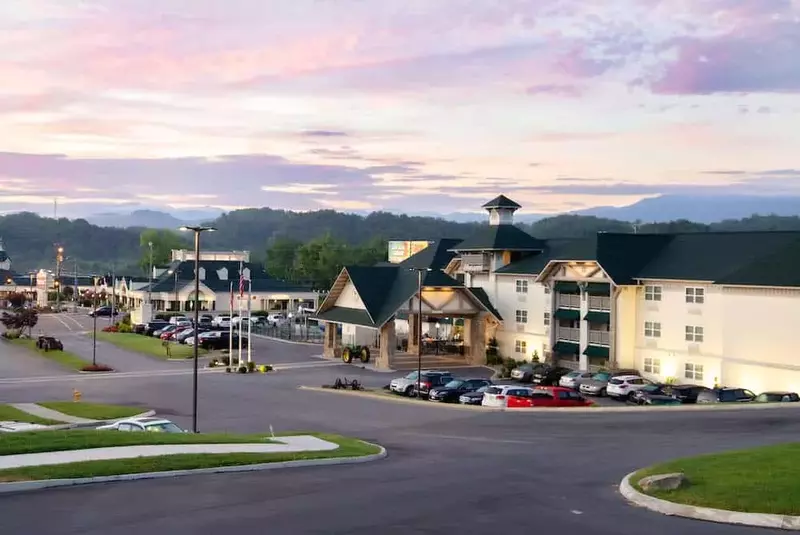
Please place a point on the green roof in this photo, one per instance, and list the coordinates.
(352, 316)
(501, 201)
(500, 238)
(566, 348)
(596, 351)
(435, 256)
(566, 249)
(598, 317)
(567, 314)
(481, 295)
(260, 280)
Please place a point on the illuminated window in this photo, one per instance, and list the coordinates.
(521, 346)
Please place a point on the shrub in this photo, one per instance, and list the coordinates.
(126, 320)
(125, 328)
(226, 361)
(111, 329)
(510, 364)
(228, 370)
(251, 366)
(12, 334)
(213, 363)
(97, 368)
(535, 357)
(260, 314)
(243, 369)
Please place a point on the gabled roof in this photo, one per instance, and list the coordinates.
(561, 249)
(435, 256)
(501, 201)
(499, 238)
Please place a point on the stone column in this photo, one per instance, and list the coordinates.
(475, 338)
(331, 342)
(413, 334)
(388, 343)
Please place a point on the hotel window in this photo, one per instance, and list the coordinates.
(547, 318)
(522, 286)
(652, 365)
(694, 334)
(652, 293)
(652, 329)
(695, 295)
(521, 346)
(693, 371)
(522, 316)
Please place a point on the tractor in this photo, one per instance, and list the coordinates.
(355, 352)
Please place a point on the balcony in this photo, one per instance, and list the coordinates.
(569, 334)
(598, 302)
(599, 338)
(474, 263)
(568, 301)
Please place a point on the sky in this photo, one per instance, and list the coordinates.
(419, 106)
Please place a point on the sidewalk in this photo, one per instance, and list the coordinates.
(293, 444)
(49, 414)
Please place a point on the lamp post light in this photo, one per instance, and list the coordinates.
(419, 271)
(196, 339)
(59, 259)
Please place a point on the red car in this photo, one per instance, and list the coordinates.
(170, 335)
(549, 396)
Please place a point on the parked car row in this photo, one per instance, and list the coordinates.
(443, 387)
(209, 336)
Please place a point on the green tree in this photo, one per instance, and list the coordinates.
(282, 259)
(319, 261)
(369, 254)
(164, 241)
(20, 319)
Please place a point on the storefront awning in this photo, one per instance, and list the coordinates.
(567, 314)
(598, 317)
(566, 348)
(567, 287)
(596, 351)
(598, 288)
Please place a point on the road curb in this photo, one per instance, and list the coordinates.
(590, 410)
(27, 486)
(61, 427)
(720, 516)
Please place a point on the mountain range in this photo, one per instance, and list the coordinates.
(661, 209)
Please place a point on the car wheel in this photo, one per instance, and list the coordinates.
(602, 393)
(410, 391)
(630, 396)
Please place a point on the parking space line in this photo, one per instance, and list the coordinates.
(76, 322)
(64, 323)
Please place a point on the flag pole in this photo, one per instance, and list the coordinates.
(241, 291)
(230, 329)
(249, 321)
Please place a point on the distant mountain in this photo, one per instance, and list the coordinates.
(152, 219)
(698, 208)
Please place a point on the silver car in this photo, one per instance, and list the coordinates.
(574, 379)
(596, 386)
(406, 385)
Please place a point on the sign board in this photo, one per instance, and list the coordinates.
(401, 250)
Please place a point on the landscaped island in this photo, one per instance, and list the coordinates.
(148, 345)
(760, 480)
(65, 441)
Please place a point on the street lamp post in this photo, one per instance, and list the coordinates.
(94, 323)
(150, 275)
(59, 259)
(197, 231)
(419, 271)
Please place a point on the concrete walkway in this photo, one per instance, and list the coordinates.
(49, 414)
(293, 444)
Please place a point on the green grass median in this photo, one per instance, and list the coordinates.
(92, 411)
(81, 439)
(64, 358)
(760, 480)
(148, 345)
(13, 414)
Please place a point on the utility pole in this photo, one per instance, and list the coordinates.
(113, 293)
(59, 260)
(150, 275)
(75, 290)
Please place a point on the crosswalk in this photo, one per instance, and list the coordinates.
(151, 374)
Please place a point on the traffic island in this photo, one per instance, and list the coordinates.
(147, 345)
(64, 358)
(10, 413)
(61, 458)
(755, 487)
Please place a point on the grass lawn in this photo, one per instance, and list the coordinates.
(148, 345)
(348, 447)
(760, 480)
(9, 413)
(65, 358)
(93, 411)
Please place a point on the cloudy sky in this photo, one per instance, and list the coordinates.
(410, 105)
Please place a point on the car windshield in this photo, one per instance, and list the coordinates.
(601, 376)
(525, 368)
(482, 390)
(167, 427)
(412, 375)
(574, 374)
(454, 384)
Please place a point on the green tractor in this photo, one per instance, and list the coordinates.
(355, 352)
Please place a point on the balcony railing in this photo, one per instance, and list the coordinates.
(568, 301)
(568, 334)
(597, 302)
(599, 338)
(472, 263)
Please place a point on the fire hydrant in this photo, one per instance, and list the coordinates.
(76, 395)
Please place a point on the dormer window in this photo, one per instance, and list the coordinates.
(246, 273)
(202, 275)
(222, 274)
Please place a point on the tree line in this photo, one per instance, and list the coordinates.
(31, 240)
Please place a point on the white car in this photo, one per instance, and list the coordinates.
(222, 321)
(623, 386)
(177, 320)
(277, 319)
(19, 427)
(497, 396)
(238, 319)
(152, 425)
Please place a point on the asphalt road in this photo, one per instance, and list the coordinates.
(448, 471)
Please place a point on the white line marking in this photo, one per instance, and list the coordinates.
(64, 323)
(471, 439)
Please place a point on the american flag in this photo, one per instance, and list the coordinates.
(241, 284)
(231, 296)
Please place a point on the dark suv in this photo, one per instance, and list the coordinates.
(725, 395)
(429, 381)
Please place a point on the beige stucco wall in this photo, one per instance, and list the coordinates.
(625, 322)
(349, 298)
